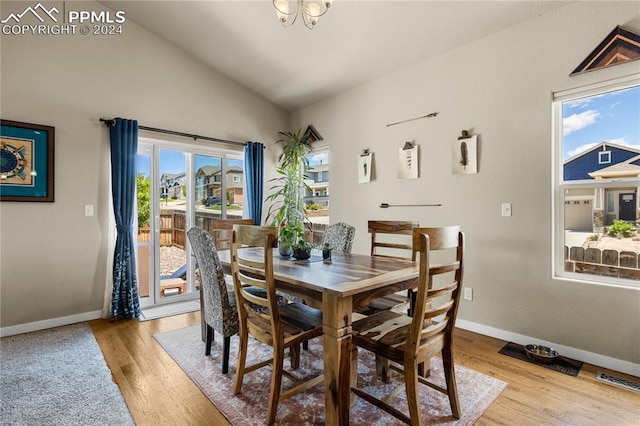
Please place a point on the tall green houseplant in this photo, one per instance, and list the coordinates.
(288, 210)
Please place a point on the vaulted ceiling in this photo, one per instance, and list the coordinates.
(355, 42)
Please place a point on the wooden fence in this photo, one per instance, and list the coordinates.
(173, 228)
(614, 263)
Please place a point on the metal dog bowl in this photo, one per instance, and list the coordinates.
(541, 354)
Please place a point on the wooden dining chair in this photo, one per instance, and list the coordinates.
(339, 236)
(221, 229)
(218, 306)
(392, 239)
(280, 326)
(410, 341)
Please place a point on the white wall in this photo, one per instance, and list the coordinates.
(53, 258)
(499, 87)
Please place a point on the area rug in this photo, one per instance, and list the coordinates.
(563, 365)
(476, 391)
(58, 377)
(169, 310)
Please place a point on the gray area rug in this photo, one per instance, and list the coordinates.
(58, 377)
(476, 391)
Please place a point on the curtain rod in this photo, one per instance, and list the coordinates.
(110, 123)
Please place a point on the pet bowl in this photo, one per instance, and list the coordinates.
(541, 354)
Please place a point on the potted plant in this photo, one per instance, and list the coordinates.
(288, 210)
(326, 251)
(302, 250)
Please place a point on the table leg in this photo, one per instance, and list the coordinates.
(337, 358)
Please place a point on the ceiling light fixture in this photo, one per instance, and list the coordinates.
(310, 11)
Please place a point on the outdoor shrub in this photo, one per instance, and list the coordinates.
(621, 229)
(313, 206)
(594, 237)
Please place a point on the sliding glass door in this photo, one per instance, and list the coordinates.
(180, 186)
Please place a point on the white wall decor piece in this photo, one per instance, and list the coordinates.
(408, 161)
(365, 166)
(465, 155)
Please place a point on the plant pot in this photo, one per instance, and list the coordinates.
(326, 254)
(301, 254)
(285, 250)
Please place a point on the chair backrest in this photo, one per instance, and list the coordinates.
(379, 228)
(221, 229)
(441, 301)
(260, 314)
(340, 237)
(217, 306)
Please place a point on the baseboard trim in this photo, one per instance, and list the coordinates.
(578, 354)
(50, 323)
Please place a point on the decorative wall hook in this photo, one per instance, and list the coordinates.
(386, 206)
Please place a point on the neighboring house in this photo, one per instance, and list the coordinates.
(318, 182)
(209, 183)
(171, 184)
(590, 209)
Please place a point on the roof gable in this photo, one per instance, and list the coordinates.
(580, 166)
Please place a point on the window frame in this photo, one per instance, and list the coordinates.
(559, 186)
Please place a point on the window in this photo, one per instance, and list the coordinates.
(317, 194)
(604, 157)
(597, 183)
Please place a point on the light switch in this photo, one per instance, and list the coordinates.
(88, 209)
(506, 209)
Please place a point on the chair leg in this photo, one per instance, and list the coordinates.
(450, 379)
(382, 368)
(305, 345)
(294, 356)
(225, 354)
(276, 381)
(413, 400)
(242, 358)
(209, 339)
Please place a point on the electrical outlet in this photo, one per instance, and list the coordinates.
(506, 209)
(88, 210)
(468, 293)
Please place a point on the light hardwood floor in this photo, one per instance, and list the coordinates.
(158, 392)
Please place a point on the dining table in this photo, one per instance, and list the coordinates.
(339, 287)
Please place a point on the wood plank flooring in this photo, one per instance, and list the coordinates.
(158, 392)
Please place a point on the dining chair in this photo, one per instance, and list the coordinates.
(221, 229)
(279, 326)
(219, 308)
(339, 236)
(392, 239)
(410, 341)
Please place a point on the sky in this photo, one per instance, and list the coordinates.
(612, 117)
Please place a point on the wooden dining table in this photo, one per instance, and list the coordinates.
(338, 287)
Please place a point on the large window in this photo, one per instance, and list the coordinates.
(597, 183)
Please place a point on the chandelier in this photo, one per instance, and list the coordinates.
(310, 11)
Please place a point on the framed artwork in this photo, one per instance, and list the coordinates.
(26, 161)
(408, 161)
(465, 156)
(365, 167)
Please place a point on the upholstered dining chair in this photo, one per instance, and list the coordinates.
(219, 308)
(276, 325)
(410, 341)
(339, 236)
